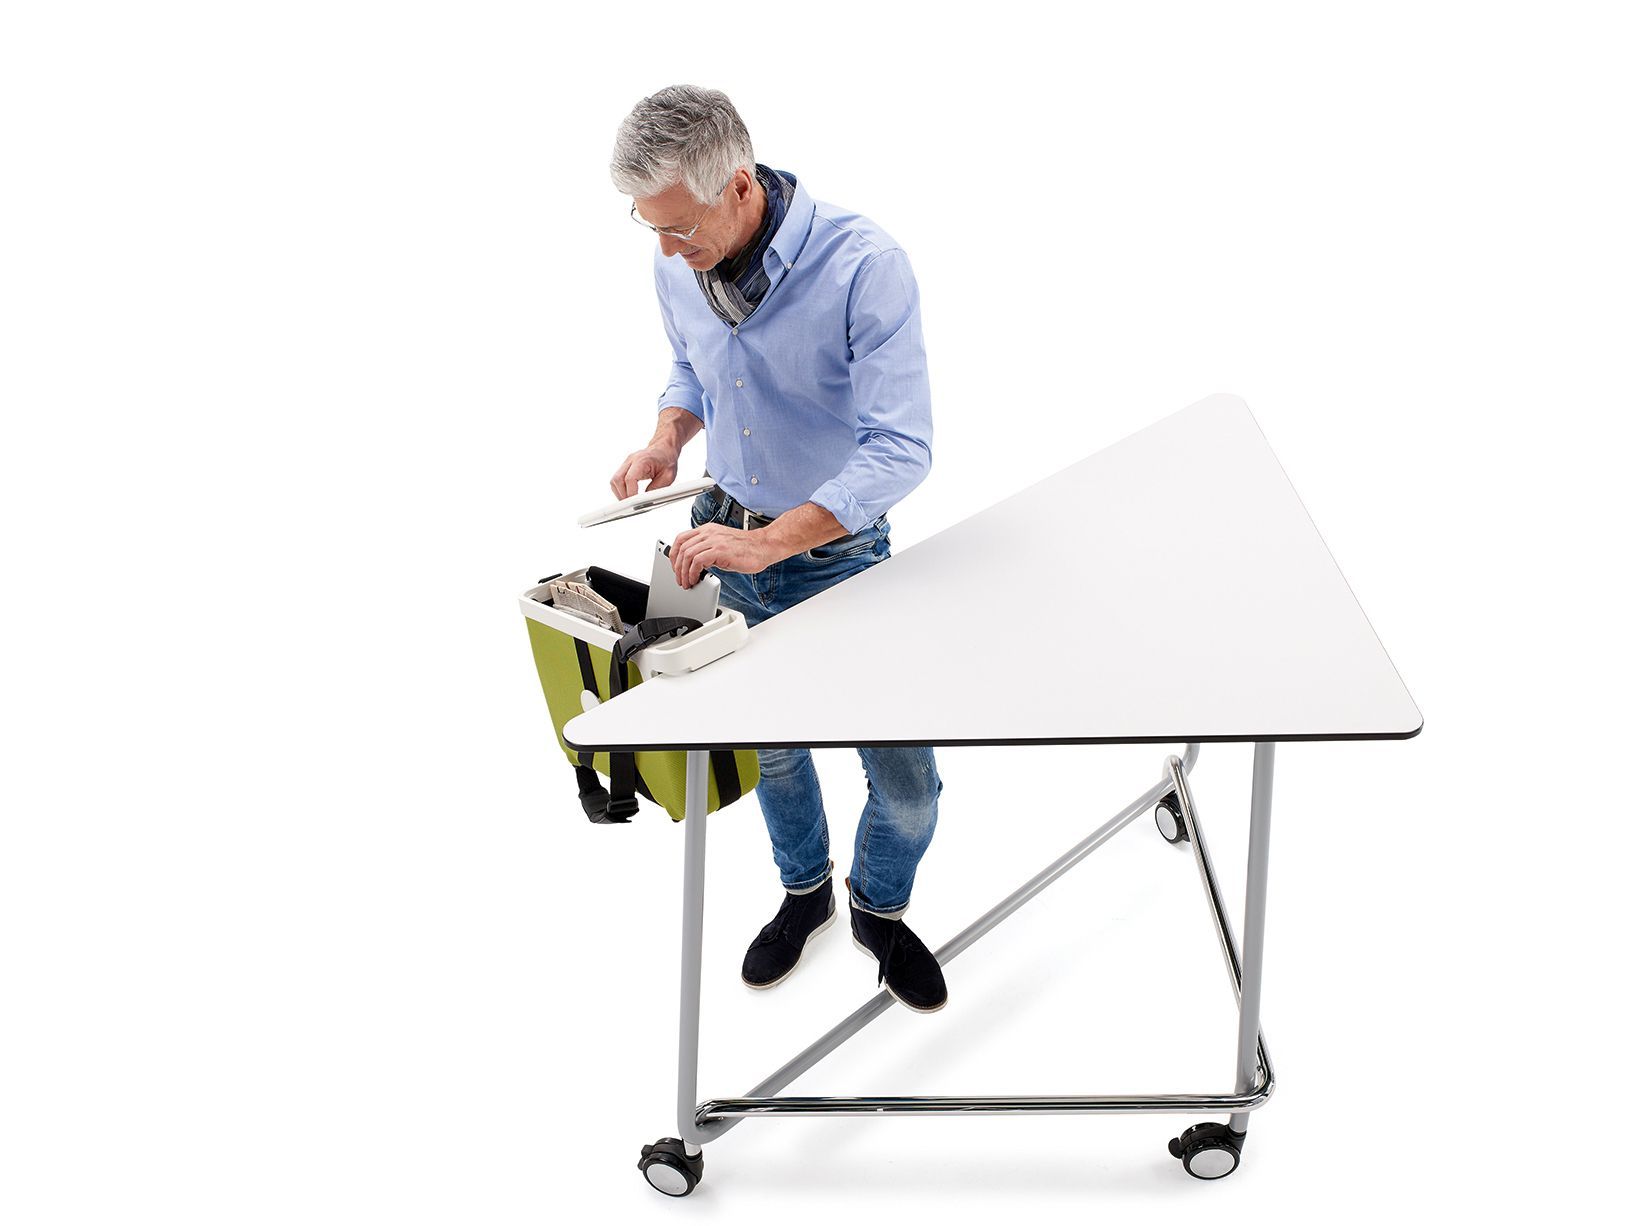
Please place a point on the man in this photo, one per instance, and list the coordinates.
(795, 327)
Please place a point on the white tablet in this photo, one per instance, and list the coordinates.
(636, 504)
(667, 598)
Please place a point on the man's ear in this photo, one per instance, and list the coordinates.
(744, 182)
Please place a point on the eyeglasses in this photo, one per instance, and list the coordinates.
(684, 235)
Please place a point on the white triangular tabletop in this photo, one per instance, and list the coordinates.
(1169, 588)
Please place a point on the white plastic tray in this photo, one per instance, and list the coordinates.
(686, 653)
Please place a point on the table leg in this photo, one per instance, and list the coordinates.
(674, 1165)
(687, 1063)
(1255, 923)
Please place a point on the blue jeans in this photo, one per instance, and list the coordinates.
(900, 812)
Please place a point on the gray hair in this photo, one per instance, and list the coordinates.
(682, 134)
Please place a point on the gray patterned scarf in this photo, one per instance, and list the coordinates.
(735, 287)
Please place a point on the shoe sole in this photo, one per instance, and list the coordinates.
(864, 949)
(773, 983)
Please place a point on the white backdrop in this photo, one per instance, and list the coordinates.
(321, 323)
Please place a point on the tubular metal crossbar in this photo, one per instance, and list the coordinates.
(700, 1123)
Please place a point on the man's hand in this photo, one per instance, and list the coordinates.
(724, 548)
(655, 465)
(749, 552)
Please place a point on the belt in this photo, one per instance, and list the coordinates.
(738, 513)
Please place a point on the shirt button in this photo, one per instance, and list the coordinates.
(738, 382)
(755, 480)
(746, 431)
(789, 265)
(735, 331)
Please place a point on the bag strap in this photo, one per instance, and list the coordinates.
(587, 679)
(729, 787)
(593, 797)
(624, 779)
(643, 634)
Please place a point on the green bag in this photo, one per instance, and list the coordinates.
(574, 656)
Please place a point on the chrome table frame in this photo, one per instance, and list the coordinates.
(701, 1122)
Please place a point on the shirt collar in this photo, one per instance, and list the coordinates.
(797, 224)
(754, 253)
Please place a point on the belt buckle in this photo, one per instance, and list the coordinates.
(745, 515)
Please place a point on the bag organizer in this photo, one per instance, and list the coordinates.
(582, 663)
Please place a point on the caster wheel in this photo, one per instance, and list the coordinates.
(666, 1166)
(1208, 1151)
(1168, 817)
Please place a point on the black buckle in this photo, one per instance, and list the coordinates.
(739, 514)
(600, 808)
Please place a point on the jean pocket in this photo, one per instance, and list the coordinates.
(705, 508)
(860, 542)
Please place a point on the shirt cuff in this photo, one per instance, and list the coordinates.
(839, 502)
(683, 397)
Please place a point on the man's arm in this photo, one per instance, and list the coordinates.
(680, 418)
(799, 529)
(658, 461)
(890, 392)
(676, 429)
(684, 389)
(728, 548)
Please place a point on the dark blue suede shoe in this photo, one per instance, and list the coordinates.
(907, 968)
(777, 950)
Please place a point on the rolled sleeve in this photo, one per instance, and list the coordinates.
(891, 395)
(683, 390)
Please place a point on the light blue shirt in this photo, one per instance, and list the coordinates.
(821, 394)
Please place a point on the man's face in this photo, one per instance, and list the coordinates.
(720, 224)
